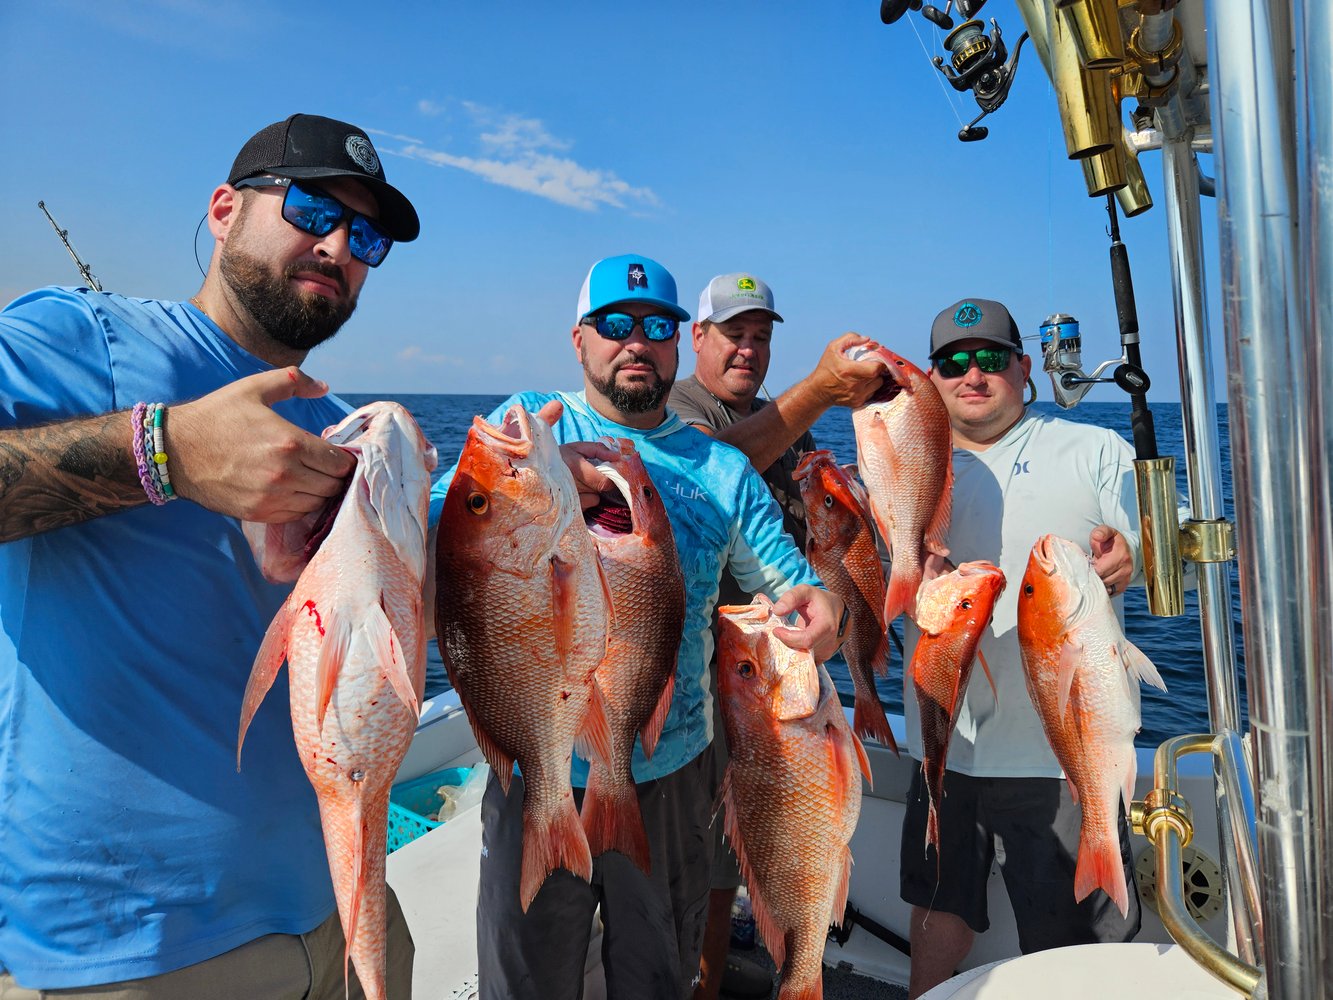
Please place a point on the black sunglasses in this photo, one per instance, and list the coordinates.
(990, 360)
(315, 212)
(618, 326)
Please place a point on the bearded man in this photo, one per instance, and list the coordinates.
(135, 860)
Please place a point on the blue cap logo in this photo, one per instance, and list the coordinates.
(967, 315)
(637, 277)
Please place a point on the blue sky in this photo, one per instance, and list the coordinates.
(807, 143)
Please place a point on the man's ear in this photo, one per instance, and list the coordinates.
(697, 336)
(224, 207)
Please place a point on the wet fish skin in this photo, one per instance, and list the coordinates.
(841, 546)
(521, 618)
(352, 633)
(904, 453)
(1083, 674)
(637, 675)
(953, 612)
(791, 792)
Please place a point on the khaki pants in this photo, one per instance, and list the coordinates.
(273, 967)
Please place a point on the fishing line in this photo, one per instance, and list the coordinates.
(196, 244)
(939, 77)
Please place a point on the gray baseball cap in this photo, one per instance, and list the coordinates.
(729, 295)
(974, 319)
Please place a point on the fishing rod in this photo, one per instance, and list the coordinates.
(84, 269)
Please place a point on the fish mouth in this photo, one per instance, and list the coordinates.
(808, 462)
(1046, 553)
(612, 517)
(514, 435)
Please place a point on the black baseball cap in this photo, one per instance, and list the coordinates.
(311, 146)
(974, 319)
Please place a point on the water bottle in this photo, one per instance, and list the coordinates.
(742, 921)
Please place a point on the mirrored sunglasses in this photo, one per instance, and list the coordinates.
(313, 211)
(619, 326)
(990, 360)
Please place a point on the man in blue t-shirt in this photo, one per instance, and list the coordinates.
(723, 517)
(134, 859)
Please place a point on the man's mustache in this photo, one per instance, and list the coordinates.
(326, 270)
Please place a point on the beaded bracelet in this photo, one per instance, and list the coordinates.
(138, 422)
(161, 477)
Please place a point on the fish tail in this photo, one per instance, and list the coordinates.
(900, 595)
(613, 821)
(869, 720)
(802, 977)
(552, 839)
(1099, 867)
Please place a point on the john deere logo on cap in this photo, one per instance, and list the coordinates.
(362, 153)
(637, 277)
(967, 315)
(745, 284)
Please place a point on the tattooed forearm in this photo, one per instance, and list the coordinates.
(54, 475)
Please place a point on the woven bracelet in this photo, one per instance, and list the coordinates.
(138, 419)
(159, 452)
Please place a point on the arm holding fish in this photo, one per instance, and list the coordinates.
(820, 613)
(835, 381)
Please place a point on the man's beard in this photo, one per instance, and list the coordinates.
(641, 397)
(295, 320)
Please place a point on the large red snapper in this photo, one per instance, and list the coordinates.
(1083, 676)
(953, 610)
(904, 453)
(521, 615)
(792, 790)
(352, 634)
(637, 676)
(841, 546)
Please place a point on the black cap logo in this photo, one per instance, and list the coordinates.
(362, 153)
(637, 277)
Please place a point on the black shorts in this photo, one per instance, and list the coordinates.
(1031, 826)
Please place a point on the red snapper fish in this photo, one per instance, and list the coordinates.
(521, 614)
(953, 610)
(792, 790)
(352, 635)
(1083, 676)
(637, 550)
(840, 544)
(905, 455)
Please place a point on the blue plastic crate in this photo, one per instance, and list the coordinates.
(410, 802)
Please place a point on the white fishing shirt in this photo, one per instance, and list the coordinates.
(1045, 476)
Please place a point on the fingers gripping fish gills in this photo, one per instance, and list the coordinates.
(792, 790)
(1083, 677)
(842, 548)
(953, 611)
(904, 453)
(522, 619)
(637, 551)
(351, 633)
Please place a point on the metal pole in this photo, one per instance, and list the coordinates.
(1204, 463)
(1254, 138)
(1314, 33)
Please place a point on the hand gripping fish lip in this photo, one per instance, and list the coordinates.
(793, 684)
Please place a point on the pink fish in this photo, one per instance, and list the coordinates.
(352, 634)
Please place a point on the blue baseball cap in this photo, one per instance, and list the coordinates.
(630, 277)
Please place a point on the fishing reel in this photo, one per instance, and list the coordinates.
(977, 61)
(1062, 354)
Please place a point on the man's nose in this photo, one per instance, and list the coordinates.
(335, 245)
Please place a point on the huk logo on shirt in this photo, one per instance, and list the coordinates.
(689, 492)
(637, 277)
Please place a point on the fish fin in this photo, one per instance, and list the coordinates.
(1139, 666)
(358, 884)
(268, 661)
(550, 842)
(1131, 777)
(774, 938)
(841, 743)
(844, 881)
(593, 741)
(1073, 788)
(938, 529)
(387, 649)
(879, 659)
(502, 765)
(869, 720)
(613, 820)
(1099, 867)
(652, 729)
(1071, 655)
(985, 669)
(564, 608)
(337, 640)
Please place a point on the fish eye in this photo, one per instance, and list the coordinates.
(899, 362)
(647, 492)
(477, 503)
(965, 604)
(745, 668)
(828, 500)
(1028, 590)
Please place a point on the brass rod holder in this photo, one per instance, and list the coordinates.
(1164, 818)
(1095, 26)
(1155, 479)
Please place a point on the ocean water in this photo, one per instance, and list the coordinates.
(1173, 644)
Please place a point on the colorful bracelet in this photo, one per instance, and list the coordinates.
(138, 421)
(159, 451)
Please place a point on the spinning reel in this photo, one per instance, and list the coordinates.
(977, 60)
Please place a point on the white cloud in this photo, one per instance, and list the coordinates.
(519, 153)
(417, 355)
